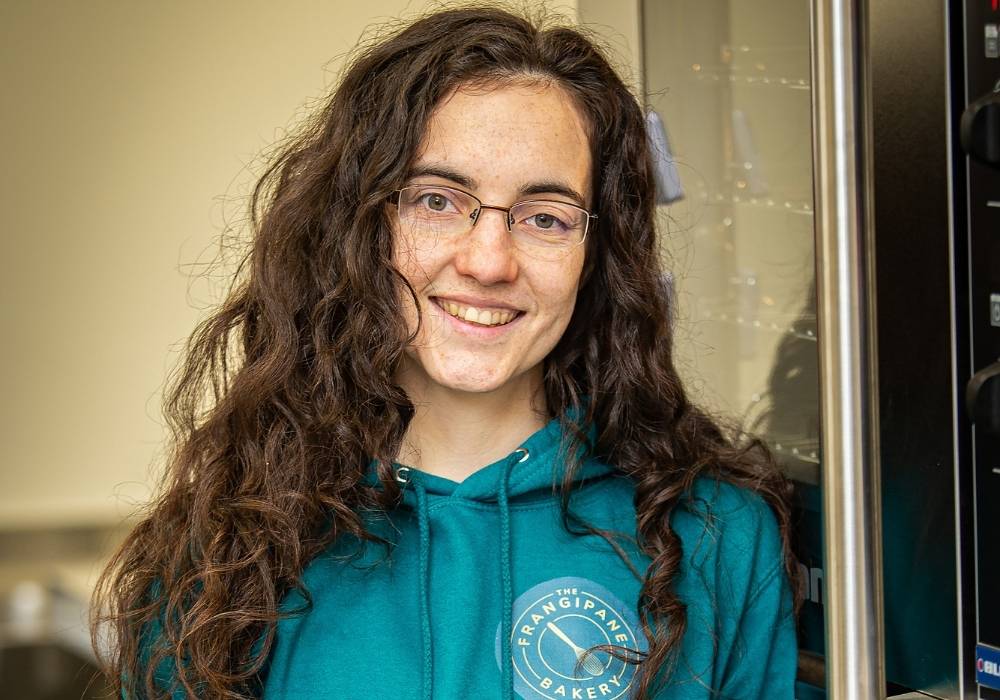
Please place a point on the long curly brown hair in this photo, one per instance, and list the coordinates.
(287, 391)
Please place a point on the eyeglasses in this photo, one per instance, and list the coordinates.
(542, 228)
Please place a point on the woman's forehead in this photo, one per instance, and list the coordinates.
(508, 135)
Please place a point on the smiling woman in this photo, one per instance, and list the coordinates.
(449, 454)
(514, 141)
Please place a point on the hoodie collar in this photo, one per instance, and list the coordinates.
(533, 468)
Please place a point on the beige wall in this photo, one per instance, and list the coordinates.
(618, 23)
(124, 126)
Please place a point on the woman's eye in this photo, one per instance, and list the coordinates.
(435, 201)
(546, 221)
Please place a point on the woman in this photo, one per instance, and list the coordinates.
(447, 453)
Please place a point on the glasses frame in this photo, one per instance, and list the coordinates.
(474, 216)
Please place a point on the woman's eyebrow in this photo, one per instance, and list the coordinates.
(553, 187)
(445, 173)
(525, 190)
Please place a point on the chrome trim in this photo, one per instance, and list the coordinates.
(973, 465)
(841, 135)
(960, 603)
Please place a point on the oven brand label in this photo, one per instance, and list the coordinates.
(988, 666)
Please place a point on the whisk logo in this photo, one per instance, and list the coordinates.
(554, 625)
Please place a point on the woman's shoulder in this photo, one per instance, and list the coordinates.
(734, 503)
(725, 507)
(739, 602)
(729, 533)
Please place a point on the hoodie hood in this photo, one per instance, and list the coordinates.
(527, 474)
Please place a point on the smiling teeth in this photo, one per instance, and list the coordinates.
(484, 317)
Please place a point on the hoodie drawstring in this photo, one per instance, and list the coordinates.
(425, 612)
(426, 673)
(506, 574)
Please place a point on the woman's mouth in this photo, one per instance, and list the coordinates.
(476, 315)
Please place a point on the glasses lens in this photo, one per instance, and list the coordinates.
(549, 225)
(431, 210)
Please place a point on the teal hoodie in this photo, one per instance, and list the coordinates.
(486, 595)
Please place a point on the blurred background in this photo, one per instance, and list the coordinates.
(131, 135)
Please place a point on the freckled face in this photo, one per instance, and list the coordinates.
(492, 312)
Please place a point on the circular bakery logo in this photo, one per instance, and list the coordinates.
(554, 626)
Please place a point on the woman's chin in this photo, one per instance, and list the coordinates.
(479, 382)
(483, 377)
(424, 373)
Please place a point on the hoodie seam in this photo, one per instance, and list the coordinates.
(485, 507)
(542, 461)
(525, 474)
(578, 498)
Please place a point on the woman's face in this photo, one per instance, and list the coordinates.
(503, 145)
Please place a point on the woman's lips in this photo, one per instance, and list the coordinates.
(480, 316)
(481, 322)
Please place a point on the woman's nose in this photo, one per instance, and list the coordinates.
(487, 252)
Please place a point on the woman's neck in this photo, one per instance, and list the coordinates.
(454, 433)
